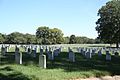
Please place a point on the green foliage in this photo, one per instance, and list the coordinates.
(79, 40)
(56, 35)
(108, 25)
(72, 39)
(20, 38)
(59, 69)
(2, 38)
(15, 38)
(30, 39)
(66, 40)
(98, 41)
(45, 35)
(49, 36)
(84, 40)
(42, 32)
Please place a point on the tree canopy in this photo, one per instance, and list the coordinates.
(44, 35)
(108, 25)
(72, 39)
(15, 38)
(2, 38)
(49, 36)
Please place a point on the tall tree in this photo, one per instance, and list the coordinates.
(108, 25)
(72, 39)
(49, 36)
(56, 35)
(43, 33)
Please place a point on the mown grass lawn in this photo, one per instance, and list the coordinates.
(59, 69)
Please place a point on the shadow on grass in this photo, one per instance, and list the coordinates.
(83, 64)
(27, 59)
(7, 59)
(6, 73)
(80, 64)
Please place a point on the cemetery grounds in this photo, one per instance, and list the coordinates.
(60, 68)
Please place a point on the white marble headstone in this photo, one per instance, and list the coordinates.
(42, 61)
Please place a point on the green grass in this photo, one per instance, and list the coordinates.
(59, 69)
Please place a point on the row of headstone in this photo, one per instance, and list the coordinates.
(29, 48)
(88, 53)
(50, 51)
(53, 53)
(18, 58)
(50, 55)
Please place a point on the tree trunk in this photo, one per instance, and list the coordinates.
(117, 45)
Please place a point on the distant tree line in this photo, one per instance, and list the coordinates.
(108, 28)
(80, 40)
(44, 35)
